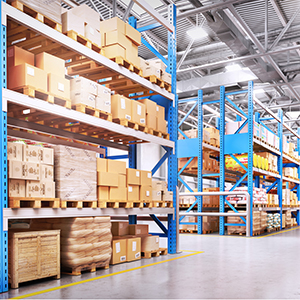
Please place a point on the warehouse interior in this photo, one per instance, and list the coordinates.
(150, 149)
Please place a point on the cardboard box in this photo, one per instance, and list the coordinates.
(103, 92)
(107, 179)
(161, 125)
(133, 193)
(72, 22)
(47, 173)
(138, 229)
(24, 170)
(112, 24)
(158, 63)
(50, 64)
(103, 193)
(151, 121)
(167, 196)
(88, 14)
(120, 107)
(122, 180)
(81, 84)
(83, 97)
(159, 185)
(133, 248)
(160, 112)
(31, 153)
(114, 51)
(118, 193)
(145, 193)
(117, 38)
(15, 151)
(47, 189)
(15, 169)
(101, 164)
(150, 106)
(119, 228)
(33, 188)
(133, 34)
(116, 166)
(103, 100)
(143, 63)
(119, 249)
(132, 54)
(156, 195)
(146, 178)
(166, 77)
(16, 188)
(59, 86)
(138, 112)
(46, 156)
(151, 70)
(133, 177)
(103, 105)
(24, 75)
(18, 56)
(149, 243)
(92, 34)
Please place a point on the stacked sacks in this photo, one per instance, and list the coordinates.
(84, 241)
(276, 220)
(270, 221)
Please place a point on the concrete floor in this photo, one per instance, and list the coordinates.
(230, 267)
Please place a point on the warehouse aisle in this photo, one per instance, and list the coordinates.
(229, 267)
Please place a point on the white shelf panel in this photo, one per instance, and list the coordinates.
(263, 172)
(60, 111)
(67, 42)
(207, 146)
(290, 180)
(291, 159)
(267, 147)
(36, 213)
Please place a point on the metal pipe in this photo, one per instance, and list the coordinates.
(266, 24)
(247, 214)
(177, 219)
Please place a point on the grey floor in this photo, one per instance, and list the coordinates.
(230, 267)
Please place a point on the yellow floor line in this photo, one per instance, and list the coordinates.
(278, 232)
(103, 276)
(190, 251)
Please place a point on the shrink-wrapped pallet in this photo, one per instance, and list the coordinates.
(75, 173)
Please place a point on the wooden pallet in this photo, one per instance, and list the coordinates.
(115, 204)
(162, 203)
(128, 65)
(78, 204)
(19, 202)
(259, 205)
(88, 110)
(273, 205)
(137, 204)
(36, 15)
(42, 95)
(86, 268)
(160, 134)
(187, 231)
(258, 232)
(159, 82)
(207, 231)
(131, 124)
(237, 233)
(210, 205)
(149, 254)
(184, 205)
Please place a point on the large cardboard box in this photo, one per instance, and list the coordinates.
(46, 156)
(159, 185)
(103, 92)
(59, 86)
(116, 166)
(47, 173)
(16, 188)
(150, 106)
(138, 229)
(133, 176)
(132, 54)
(101, 164)
(27, 75)
(18, 56)
(145, 193)
(122, 180)
(107, 179)
(72, 22)
(47, 189)
(103, 193)
(81, 84)
(161, 125)
(119, 249)
(15, 151)
(86, 13)
(120, 107)
(133, 193)
(103, 105)
(117, 38)
(119, 228)
(158, 63)
(149, 243)
(103, 100)
(112, 24)
(133, 248)
(24, 170)
(31, 153)
(133, 35)
(146, 178)
(50, 64)
(118, 193)
(115, 51)
(167, 196)
(151, 121)
(92, 34)
(151, 70)
(138, 112)
(160, 112)
(83, 97)
(156, 195)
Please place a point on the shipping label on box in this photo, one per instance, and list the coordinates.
(146, 178)
(72, 22)
(47, 173)
(133, 177)
(138, 112)
(119, 249)
(121, 107)
(16, 188)
(59, 86)
(156, 195)
(133, 248)
(15, 151)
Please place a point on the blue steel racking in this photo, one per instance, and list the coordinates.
(233, 144)
(171, 113)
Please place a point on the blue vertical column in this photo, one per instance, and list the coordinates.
(200, 158)
(298, 187)
(172, 127)
(222, 158)
(132, 219)
(3, 176)
(250, 150)
(280, 163)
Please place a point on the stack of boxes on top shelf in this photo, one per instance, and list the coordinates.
(30, 171)
(273, 200)
(160, 191)
(289, 198)
(289, 148)
(291, 172)
(272, 161)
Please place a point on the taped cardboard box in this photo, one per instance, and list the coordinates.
(167, 196)
(133, 177)
(107, 179)
(112, 24)
(156, 195)
(158, 63)
(133, 248)
(160, 112)
(115, 166)
(146, 193)
(119, 228)
(133, 193)
(121, 107)
(81, 84)
(161, 125)
(16, 188)
(103, 193)
(149, 243)
(18, 56)
(42, 189)
(23, 170)
(119, 250)
(118, 194)
(88, 14)
(15, 151)
(50, 64)
(72, 22)
(151, 70)
(59, 86)
(116, 37)
(138, 112)
(138, 229)
(146, 178)
(150, 112)
(36, 154)
(132, 54)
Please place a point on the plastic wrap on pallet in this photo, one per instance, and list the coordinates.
(49, 8)
(259, 196)
(75, 173)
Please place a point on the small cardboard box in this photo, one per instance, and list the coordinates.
(158, 63)
(18, 56)
(138, 112)
(51, 64)
(15, 169)
(103, 100)
(138, 229)
(145, 193)
(167, 196)
(15, 151)
(149, 243)
(151, 70)
(116, 166)
(81, 84)
(25, 74)
(103, 193)
(133, 248)
(118, 193)
(133, 34)
(72, 22)
(119, 249)
(133, 177)
(103, 105)
(16, 188)
(160, 112)
(47, 189)
(46, 156)
(33, 188)
(92, 34)
(83, 97)
(103, 92)
(101, 164)
(119, 228)
(31, 153)
(122, 180)
(112, 24)
(159, 185)
(146, 178)
(88, 14)
(161, 125)
(133, 194)
(120, 107)
(114, 51)
(47, 173)
(31, 171)
(59, 86)
(116, 38)
(107, 179)
(156, 195)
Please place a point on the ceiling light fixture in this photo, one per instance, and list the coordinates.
(197, 33)
(234, 67)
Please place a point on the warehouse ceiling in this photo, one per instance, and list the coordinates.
(261, 38)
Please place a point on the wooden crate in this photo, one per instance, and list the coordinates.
(33, 255)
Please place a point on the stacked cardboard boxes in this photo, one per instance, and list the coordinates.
(290, 172)
(273, 199)
(208, 163)
(30, 171)
(288, 218)
(211, 201)
(160, 191)
(272, 161)
(209, 224)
